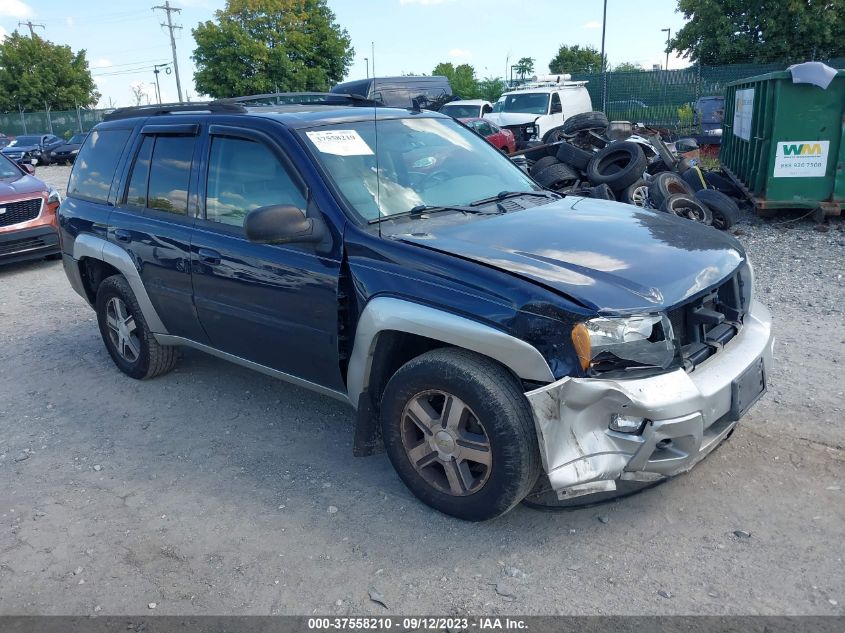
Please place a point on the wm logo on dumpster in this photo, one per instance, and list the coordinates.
(802, 149)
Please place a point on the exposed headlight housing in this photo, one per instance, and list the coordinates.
(746, 281)
(629, 346)
(54, 197)
(74, 151)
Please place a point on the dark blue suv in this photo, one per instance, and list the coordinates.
(494, 338)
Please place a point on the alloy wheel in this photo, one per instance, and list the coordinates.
(446, 443)
(123, 331)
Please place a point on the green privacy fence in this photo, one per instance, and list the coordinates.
(665, 98)
(61, 123)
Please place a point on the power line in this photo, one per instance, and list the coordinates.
(31, 27)
(168, 10)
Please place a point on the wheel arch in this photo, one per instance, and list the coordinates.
(392, 331)
(99, 256)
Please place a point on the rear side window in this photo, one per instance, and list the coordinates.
(94, 168)
(170, 174)
(161, 174)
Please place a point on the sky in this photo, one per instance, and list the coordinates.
(124, 38)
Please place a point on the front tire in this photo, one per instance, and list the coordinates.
(460, 434)
(127, 337)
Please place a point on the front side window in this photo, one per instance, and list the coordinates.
(421, 161)
(95, 165)
(244, 175)
(527, 103)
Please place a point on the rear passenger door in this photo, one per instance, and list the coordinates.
(152, 221)
(275, 305)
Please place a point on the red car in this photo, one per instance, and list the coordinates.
(496, 136)
(28, 220)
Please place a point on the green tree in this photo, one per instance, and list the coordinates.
(36, 74)
(490, 89)
(735, 31)
(575, 59)
(461, 78)
(627, 67)
(524, 67)
(259, 46)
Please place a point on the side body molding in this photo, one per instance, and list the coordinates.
(102, 250)
(387, 313)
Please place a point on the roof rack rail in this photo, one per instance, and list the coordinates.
(301, 98)
(167, 108)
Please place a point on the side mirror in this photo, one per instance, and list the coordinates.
(28, 168)
(556, 108)
(282, 224)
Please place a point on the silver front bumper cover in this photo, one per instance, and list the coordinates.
(581, 455)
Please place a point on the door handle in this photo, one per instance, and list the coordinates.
(208, 256)
(122, 235)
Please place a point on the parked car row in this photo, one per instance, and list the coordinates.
(43, 149)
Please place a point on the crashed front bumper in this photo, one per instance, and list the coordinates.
(688, 415)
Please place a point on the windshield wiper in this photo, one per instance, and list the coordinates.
(504, 195)
(421, 210)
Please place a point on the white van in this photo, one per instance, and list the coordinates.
(536, 111)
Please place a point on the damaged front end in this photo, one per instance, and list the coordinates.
(594, 432)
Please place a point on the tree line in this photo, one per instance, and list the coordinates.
(258, 46)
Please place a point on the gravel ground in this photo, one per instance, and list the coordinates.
(217, 490)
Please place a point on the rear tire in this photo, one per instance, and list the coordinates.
(478, 462)
(127, 337)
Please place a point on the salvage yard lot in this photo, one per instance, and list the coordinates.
(218, 490)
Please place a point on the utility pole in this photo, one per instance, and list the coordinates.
(603, 61)
(32, 27)
(168, 10)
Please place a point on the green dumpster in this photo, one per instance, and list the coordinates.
(782, 142)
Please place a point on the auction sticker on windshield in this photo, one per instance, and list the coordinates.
(340, 143)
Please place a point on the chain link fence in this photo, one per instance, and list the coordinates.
(665, 98)
(64, 123)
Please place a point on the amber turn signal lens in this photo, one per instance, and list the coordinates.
(581, 341)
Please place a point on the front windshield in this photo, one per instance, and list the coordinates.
(527, 103)
(8, 169)
(460, 111)
(421, 161)
(77, 139)
(26, 140)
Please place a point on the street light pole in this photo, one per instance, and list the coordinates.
(603, 62)
(668, 39)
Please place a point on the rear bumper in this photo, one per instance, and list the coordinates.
(689, 415)
(31, 243)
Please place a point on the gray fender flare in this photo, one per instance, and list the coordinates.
(104, 251)
(388, 313)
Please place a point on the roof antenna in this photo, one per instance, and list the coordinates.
(375, 127)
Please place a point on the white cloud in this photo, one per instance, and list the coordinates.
(3, 33)
(460, 53)
(592, 24)
(101, 63)
(70, 21)
(16, 9)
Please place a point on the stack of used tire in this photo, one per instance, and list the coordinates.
(590, 164)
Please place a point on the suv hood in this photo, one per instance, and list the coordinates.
(503, 119)
(607, 256)
(25, 184)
